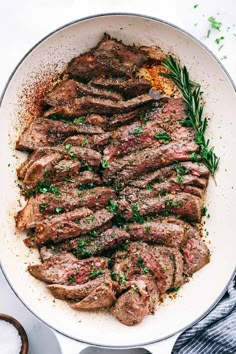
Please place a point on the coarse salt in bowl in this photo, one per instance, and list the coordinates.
(13, 339)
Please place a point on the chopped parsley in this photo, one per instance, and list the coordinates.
(42, 207)
(140, 262)
(44, 187)
(204, 211)
(71, 278)
(163, 137)
(113, 276)
(214, 23)
(69, 180)
(113, 206)
(90, 218)
(137, 131)
(84, 142)
(81, 243)
(79, 120)
(59, 210)
(67, 147)
(136, 215)
(193, 156)
(181, 171)
(217, 40)
(105, 163)
(122, 278)
(195, 6)
(72, 155)
(95, 273)
(147, 228)
(135, 288)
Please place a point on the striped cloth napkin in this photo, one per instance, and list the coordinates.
(214, 334)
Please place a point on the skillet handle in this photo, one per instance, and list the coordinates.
(69, 346)
(162, 347)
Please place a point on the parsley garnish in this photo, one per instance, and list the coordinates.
(43, 187)
(122, 278)
(105, 163)
(113, 206)
(42, 207)
(192, 96)
(136, 215)
(84, 142)
(95, 273)
(71, 278)
(79, 120)
(214, 23)
(163, 137)
(217, 40)
(90, 218)
(137, 131)
(59, 210)
(67, 147)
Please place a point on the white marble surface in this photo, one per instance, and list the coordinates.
(24, 22)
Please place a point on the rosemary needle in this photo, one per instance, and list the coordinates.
(191, 93)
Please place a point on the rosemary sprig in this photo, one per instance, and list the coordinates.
(191, 93)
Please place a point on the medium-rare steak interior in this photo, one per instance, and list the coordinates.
(114, 184)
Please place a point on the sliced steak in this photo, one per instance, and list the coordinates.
(128, 88)
(142, 162)
(61, 93)
(183, 204)
(196, 255)
(131, 308)
(87, 89)
(60, 225)
(67, 269)
(51, 172)
(38, 169)
(164, 259)
(190, 169)
(80, 291)
(66, 227)
(85, 180)
(89, 104)
(171, 116)
(98, 141)
(47, 158)
(160, 232)
(101, 296)
(109, 58)
(131, 138)
(47, 132)
(96, 243)
(48, 203)
(123, 118)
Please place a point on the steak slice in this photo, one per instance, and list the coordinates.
(67, 269)
(196, 255)
(131, 308)
(47, 132)
(89, 104)
(183, 204)
(164, 259)
(93, 142)
(48, 203)
(122, 118)
(159, 232)
(108, 58)
(127, 87)
(87, 89)
(51, 172)
(86, 156)
(179, 278)
(66, 90)
(151, 158)
(171, 116)
(131, 138)
(80, 291)
(95, 243)
(191, 169)
(61, 93)
(37, 169)
(101, 296)
(60, 225)
(69, 226)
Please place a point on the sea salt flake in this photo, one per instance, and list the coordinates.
(10, 340)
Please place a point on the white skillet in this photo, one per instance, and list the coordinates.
(197, 297)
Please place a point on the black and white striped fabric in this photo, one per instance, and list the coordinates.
(214, 334)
